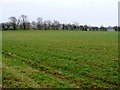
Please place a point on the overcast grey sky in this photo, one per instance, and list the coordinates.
(90, 12)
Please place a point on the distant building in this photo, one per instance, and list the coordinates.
(111, 29)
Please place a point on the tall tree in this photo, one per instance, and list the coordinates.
(85, 27)
(49, 23)
(102, 28)
(3, 26)
(24, 22)
(116, 28)
(56, 25)
(39, 23)
(13, 22)
(7, 25)
(33, 25)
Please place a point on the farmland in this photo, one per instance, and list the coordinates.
(0, 59)
(59, 59)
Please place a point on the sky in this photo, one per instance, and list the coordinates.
(90, 12)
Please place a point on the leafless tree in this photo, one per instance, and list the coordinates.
(13, 22)
(56, 25)
(24, 22)
(39, 23)
(33, 25)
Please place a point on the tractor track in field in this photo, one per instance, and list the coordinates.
(55, 73)
(19, 77)
(85, 62)
(103, 66)
(44, 69)
(88, 75)
(91, 63)
(28, 77)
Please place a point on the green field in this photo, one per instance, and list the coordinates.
(0, 59)
(60, 59)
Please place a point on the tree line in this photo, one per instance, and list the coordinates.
(23, 23)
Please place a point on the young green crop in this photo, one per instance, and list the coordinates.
(60, 59)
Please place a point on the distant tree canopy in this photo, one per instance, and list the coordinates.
(23, 24)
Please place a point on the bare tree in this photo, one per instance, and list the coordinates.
(85, 27)
(3, 26)
(8, 26)
(39, 23)
(49, 23)
(13, 21)
(24, 22)
(102, 28)
(56, 25)
(33, 25)
(39, 19)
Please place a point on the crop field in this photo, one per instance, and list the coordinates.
(59, 59)
(0, 60)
